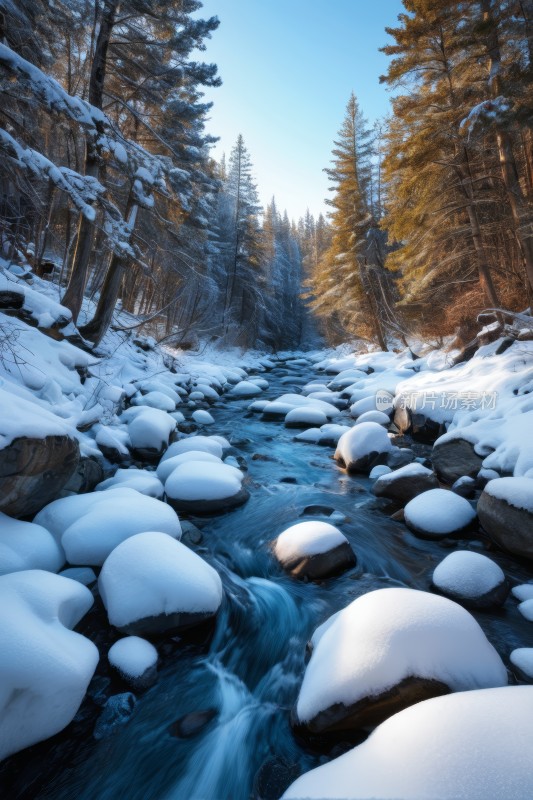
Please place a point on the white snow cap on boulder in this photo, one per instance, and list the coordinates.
(245, 389)
(132, 656)
(141, 480)
(467, 575)
(167, 466)
(206, 444)
(24, 545)
(356, 446)
(470, 746)
(439, 512)
(89, 526)
(517, 492)
(45, 667)
(151, 583)
(210, 486)
(307, 539)
(388, 635)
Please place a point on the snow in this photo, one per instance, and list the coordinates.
(390, 634)
(167, 466)
(413, 470)
(473, 746)
(152, 574)
(150, 428)
(207, 444)
(439, 512)
(84, 575)
(373, 416)
(158, 400)
(332, 432)
(379, 471)
(526, 609)
(361, 440)
(202, 480)
(24, 545)
(311, 435)
(45, 667)
(467, 574)
(305, 539)
(21, 417)
(518, 492)
(522, 658)
(523, 592)
(363, 406)
(132, 656)
(89, 526)
(141, 480)
(306, 415)
(245, 389)
(202, 417)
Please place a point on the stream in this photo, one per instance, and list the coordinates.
(249, 671)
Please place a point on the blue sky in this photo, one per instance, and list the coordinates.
(288, 68)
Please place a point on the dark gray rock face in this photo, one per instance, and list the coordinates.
(207, 507)
(510, 527)
(405, 486)
(34, 471)
(454, 459)
(322, 565)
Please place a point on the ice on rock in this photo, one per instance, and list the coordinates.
(89, 526)
(24, 545)
(207, 444)
(363, 446)
(313, 549)
(471, 577)
(378, 642)
(439, 512)
(151, 583)
(204, 487)
(202, 417)
(45, 667)
(133, 658)
(467, 746)
(141, 480)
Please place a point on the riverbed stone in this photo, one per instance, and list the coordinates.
(509, 527)
(405, 483)
(454, 459)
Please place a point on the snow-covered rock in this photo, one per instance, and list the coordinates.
(135, 660)
(377, 472)
(438, 513)
(467, 746)
(505, 511)
(141, 480)
(149, 430)
(471, 579)
(167, 466)
(202, 487)
(304, 416)
(89, 526)
(522, 661)
(159, 400)
(374, 416)
(363, 406)
(207, 444)
(523, 591)
(313, 550)
(386, 650)
(311, 435)
(45, 667)
(405, 483)
(152, 584)
(202, 417)
(363, 447)
(24, 545)
(245, 389)
(526, 609)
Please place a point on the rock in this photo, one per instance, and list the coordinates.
(135, 660)
(190, 534)
(399, 457)
(438, 513)
(454, 459)
(192, 724)
(484, 476)
(465, 487)
(405, 483)
(363, 447)
(272, 778)
(419, 426)
(88, 474)
(34, 471)
(389, 649)
(505, 511)
(151, 584)
(313, 550)
(471, 579)
(116, 712)
(203, 488)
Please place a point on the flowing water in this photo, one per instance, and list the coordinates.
(250, 671)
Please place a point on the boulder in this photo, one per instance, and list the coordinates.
(454, 459)
(420, 427)
(405, 483)
(34, 471)
(135, 661)
(505, 511)
(203, 488)
(439, 513)
(363, 447)
(313, 550)
(471, 579)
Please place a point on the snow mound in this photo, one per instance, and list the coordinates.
(202, 480)
(202, 417)
(467, 574)
(374, 416)
(132, 656)
(526, 609)
(89, 526)
(207, 444)
(307, 539)
(523, 592)
(522, 658)
(438, 512)
(245, 389)
(24, 545)
(469, 746)
(149, 428)
(379, 471)
(45, 667)
(305, 415)
(517, 492)
(388, 635)
(167, 466)
(360, 442)
(141, 480)
(151, 583)
(311, 435)
(159, 400)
